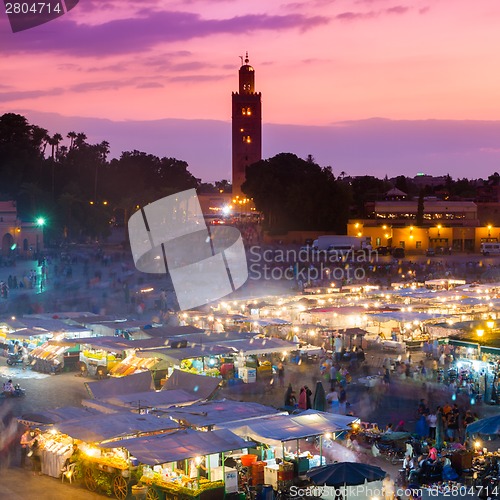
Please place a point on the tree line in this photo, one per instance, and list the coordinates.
(81, 191)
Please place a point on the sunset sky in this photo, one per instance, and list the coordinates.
(127, 72)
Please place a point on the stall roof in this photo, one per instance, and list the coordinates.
(259, 346)
(346, 310)
(172, 331)
(151, 399)
(209, 337)
(138, 382)
(180, 445)
(45, 325)
(265, 321)
(110, 321)
(56, 415)
(99, 428)
(404, 316)
(108, 342)
(290, 427)
(197, 385)
(219, 412)
(194, 351)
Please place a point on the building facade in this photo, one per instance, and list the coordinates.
(17, 237)
(446, 225)
(246, 126)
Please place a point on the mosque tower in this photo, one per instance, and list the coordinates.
(247, 126)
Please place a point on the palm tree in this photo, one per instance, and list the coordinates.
(80, 140)
(102, 152)
(71, 136)
(54, 142)
(56, 139)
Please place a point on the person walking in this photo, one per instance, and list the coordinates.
(388, 488)
(25, 443)
(342, 401)
(333, 398)
(308, 397)
(281, 374)
(302, 399)
(36, 453)
(431, 422)
(290, 399)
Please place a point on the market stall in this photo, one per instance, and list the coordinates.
(282, 435)
(185, 464)
(202, 359)
(54, 356)
(208, 414)
(76, 441)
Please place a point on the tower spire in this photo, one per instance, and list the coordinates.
(246, 58)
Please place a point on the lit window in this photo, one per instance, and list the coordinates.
(243, 111)
(249, 111)
(247, 139)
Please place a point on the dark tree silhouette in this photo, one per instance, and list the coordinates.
(297, 194)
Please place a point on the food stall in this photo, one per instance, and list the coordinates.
(284, 436)
(54, 356)
(201, 359)
(253, 357)
(135, 392)
(110, 470)
(185, 464)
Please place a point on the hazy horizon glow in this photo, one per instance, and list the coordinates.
(317, 63)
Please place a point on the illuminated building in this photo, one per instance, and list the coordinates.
(246, 126)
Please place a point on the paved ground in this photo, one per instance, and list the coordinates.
(45, 391)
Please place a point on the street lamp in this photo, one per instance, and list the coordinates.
(40, 223)
(439, 230)
(490, 227)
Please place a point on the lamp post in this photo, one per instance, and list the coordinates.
(40, 223)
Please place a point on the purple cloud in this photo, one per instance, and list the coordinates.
(355, 16)
(124, 36)
(150, 85)
(29, 94)
(398, 9)
(198, 78)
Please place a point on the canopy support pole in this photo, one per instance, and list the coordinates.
(321, 450)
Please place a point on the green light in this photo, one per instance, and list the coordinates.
(40, 221)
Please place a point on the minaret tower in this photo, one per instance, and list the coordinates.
(247, 125)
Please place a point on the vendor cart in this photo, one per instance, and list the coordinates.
(197, 489)
(111, 475)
